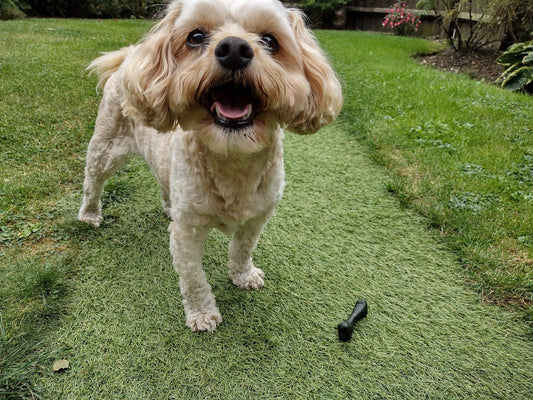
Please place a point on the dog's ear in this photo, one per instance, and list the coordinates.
(325, 99)
(147, 72)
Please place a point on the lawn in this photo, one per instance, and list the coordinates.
(457, 154)
(461, 152)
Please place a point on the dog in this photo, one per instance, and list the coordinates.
(204, 98)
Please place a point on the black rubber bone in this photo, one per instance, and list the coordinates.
(346, 328)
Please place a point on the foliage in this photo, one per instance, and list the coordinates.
(471, 24)
(11, 9)
(85, 9)
(518, 60)
(401, 21)
(511, 20)
(321, 12)
(462, 20)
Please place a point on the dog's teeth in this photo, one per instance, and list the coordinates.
(249, 113)
(219, 113)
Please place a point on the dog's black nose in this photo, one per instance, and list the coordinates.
(234, 53)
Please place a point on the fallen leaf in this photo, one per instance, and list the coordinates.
(61, 365)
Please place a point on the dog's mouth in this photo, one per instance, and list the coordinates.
(232, 105)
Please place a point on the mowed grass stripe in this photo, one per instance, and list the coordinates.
(338, 236)
(461, 153)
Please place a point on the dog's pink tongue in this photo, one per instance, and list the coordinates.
(232, 111)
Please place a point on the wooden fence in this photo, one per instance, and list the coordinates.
(368, 15)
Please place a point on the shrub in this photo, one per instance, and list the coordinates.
(321, 12)
(401, 21)
(518, 60)
(472, 24)
(462, 20)
(11, 9)
(95, 8)
(511, 20)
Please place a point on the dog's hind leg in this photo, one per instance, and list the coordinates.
(241, 269)
(111, 143)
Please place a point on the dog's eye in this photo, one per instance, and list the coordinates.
(269, 41)
(196, 38)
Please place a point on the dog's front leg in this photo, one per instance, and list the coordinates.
(187, 245)
(110, 145)
(241, 269)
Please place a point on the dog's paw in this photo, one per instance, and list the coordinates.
(204, 321)
(93, 218)
(252, 279)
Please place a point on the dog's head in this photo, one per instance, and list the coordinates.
(232, 70)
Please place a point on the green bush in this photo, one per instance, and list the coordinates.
(94, 8)
(11, 9)
(459, 19)
(518, 60)
(320, 12)
(508, 21)
(512, 20)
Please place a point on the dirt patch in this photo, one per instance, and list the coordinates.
(480, 65)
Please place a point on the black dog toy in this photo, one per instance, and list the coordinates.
(346, 328)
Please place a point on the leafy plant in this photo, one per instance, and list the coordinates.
(11, 9)
(321, 11)
(470, 202)
(518, 60)
(95, 8)
(523, 172)
(462, 20)
(511, 20)
(401, 21)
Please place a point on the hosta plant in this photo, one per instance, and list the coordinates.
(518, 60)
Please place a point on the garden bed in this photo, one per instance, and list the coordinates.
(479, 65)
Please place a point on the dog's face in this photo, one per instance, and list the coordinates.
(233, 71)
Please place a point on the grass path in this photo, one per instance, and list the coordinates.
(338, 236)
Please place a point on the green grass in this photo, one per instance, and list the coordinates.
(47, 110)
(461, 152)
(108, 300)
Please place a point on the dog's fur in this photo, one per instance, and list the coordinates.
(211, 130)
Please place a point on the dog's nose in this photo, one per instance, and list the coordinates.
(234, 53)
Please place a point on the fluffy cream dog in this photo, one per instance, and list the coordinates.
(221, 78)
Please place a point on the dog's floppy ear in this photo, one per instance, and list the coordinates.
(147, 72)
(325, 99)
